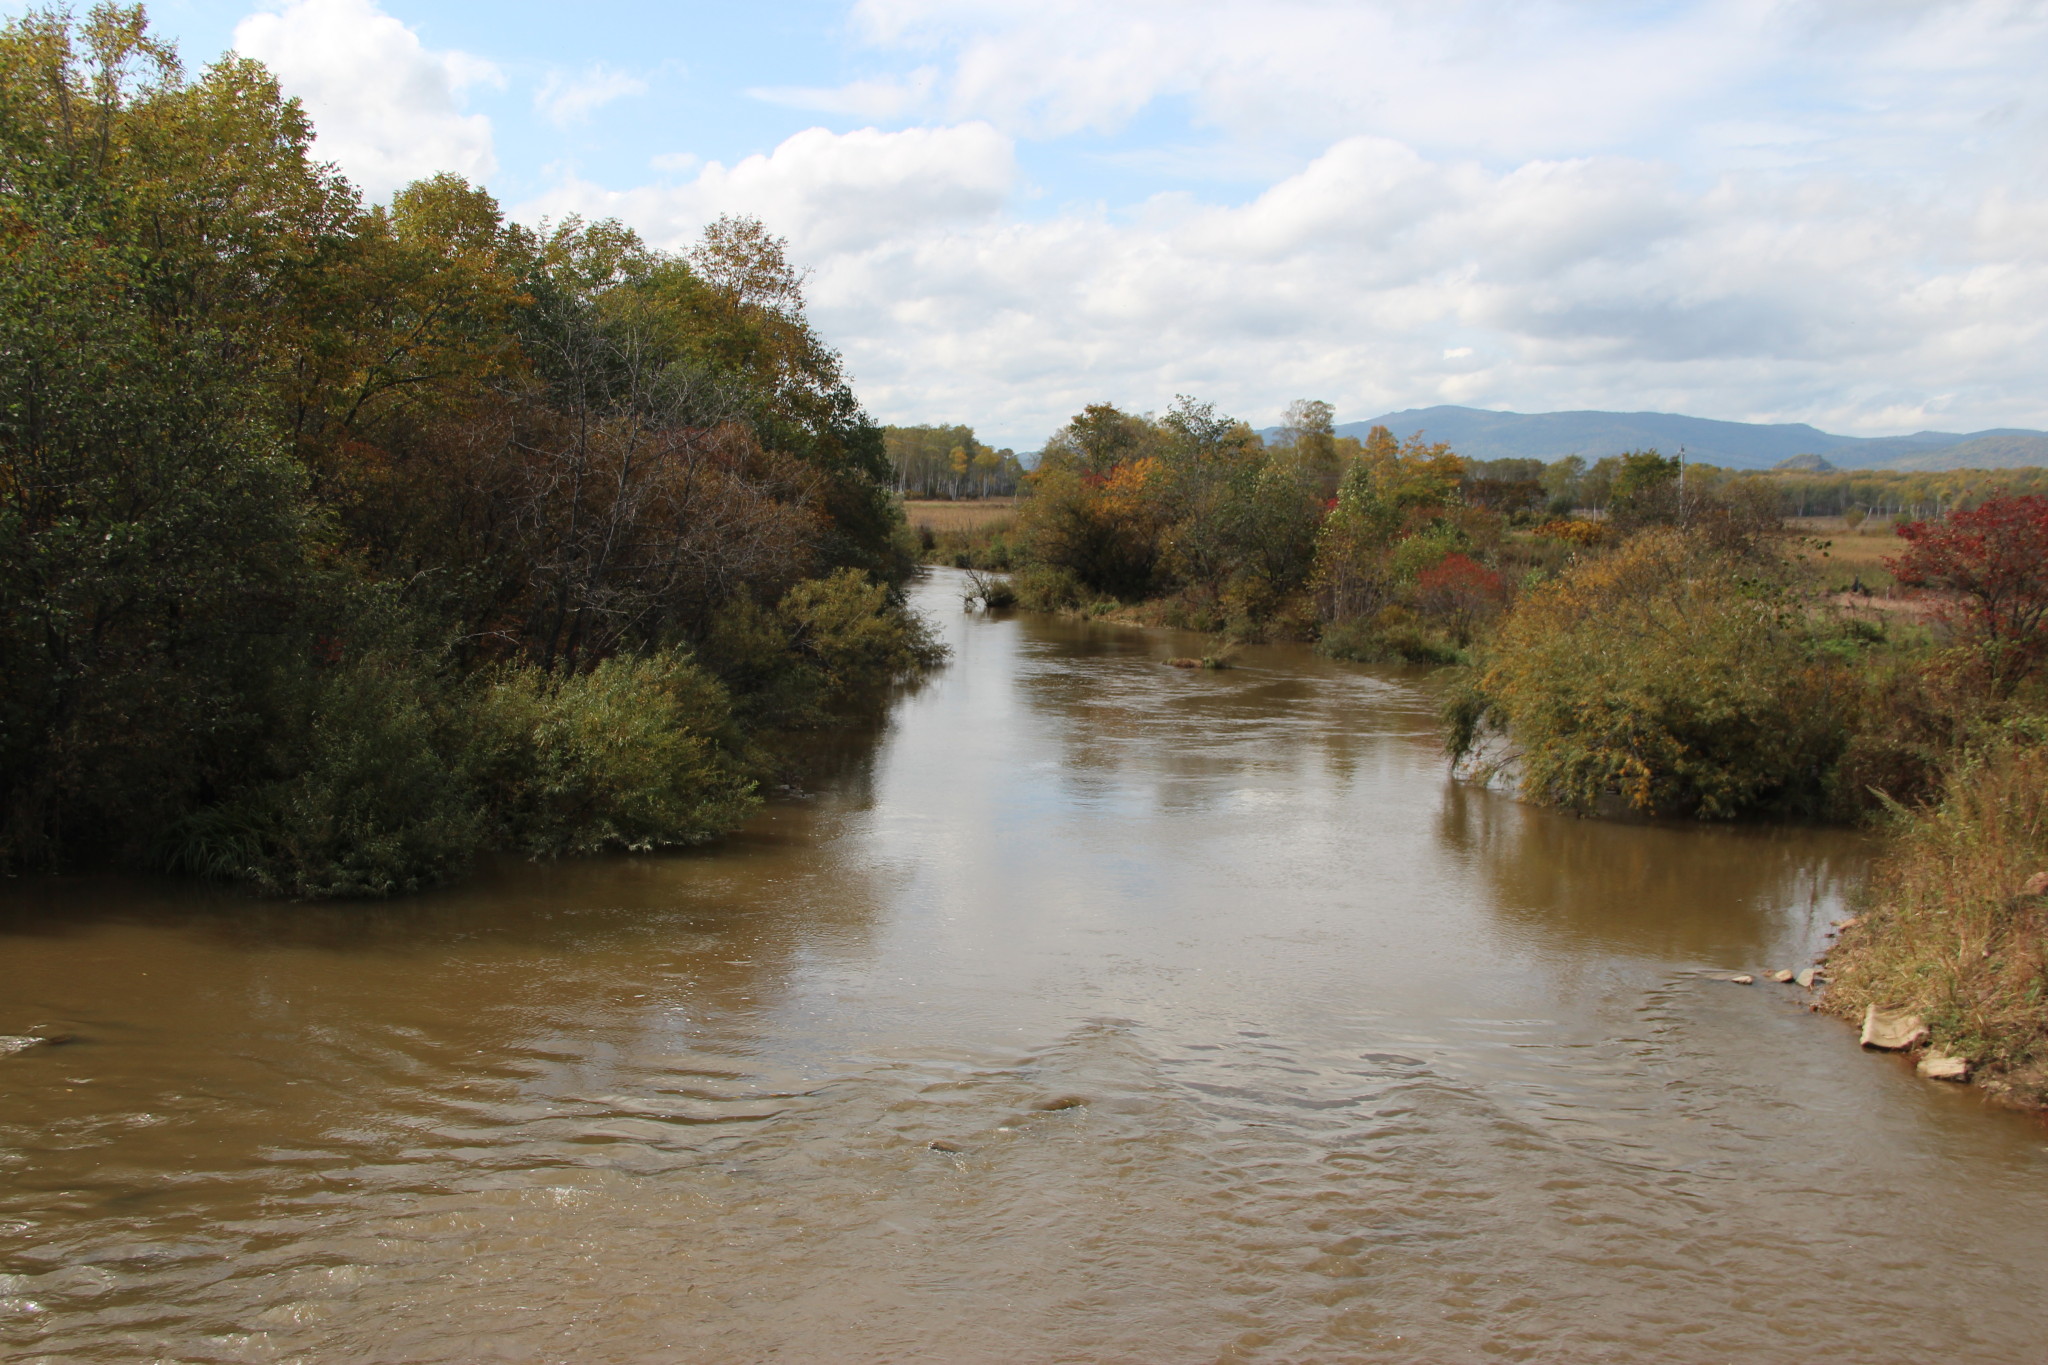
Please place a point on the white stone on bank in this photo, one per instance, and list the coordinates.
(1892, 1031)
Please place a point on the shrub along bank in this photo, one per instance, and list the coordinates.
(1691, 672)
(342, 542)
(1641, 639)
(1376, 549)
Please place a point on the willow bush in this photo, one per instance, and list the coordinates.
(637, 753)
(1668, 676)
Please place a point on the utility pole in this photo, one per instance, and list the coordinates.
(1681, 485)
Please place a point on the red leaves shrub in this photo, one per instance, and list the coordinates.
(1991, 565)
(1461, 576)
(1460, 592)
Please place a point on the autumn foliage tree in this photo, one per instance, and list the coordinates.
(327, 530)
(1988, 566)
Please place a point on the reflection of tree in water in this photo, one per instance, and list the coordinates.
(586, 947)
(1120, 718)
(494, 1021)
(1699, 892)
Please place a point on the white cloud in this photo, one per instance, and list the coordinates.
(883, 98)
(567, 100)
(1507, 78)
(1379, 279)
(1818, 210)
(385, 108)
(1910, 84)
(828, 192)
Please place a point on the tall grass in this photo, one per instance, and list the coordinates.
(1947, 931)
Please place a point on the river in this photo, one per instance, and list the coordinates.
(1243, 1032)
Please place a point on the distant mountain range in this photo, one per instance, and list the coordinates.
(1483, 435)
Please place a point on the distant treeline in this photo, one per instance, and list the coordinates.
(342, 542)
(947, 462)
(1559, 487)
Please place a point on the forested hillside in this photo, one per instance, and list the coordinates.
(339, 542)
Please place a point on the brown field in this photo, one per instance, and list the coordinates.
(959, 516)
(1863, 548)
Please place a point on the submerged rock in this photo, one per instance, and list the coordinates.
(1744, 980)
(1781, 976)
(942, 1145)
(1940, 1066)
(1892, 1031)
(1807, 977)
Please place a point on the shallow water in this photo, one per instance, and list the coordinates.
(1259, 1040)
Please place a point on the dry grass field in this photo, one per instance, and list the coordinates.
(1864, 548)
(958, 516)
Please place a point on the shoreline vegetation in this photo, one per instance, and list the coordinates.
(1632, 636)
(341, 542)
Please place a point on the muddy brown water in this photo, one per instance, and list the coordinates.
(1245, 1035)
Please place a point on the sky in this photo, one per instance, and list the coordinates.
(1831, 211)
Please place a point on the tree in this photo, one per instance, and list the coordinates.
(1991, 564)
(1309, 431)
(1097, 439)
(1395, 491)
(291, 487)
(1644, 491)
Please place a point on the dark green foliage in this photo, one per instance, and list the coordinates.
(1398, 640)
(830, 647)
(154, 557)
(338, 545)
(370, 796)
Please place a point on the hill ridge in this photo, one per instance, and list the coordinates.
(1487, 434)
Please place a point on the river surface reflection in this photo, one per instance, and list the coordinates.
(1246, 1036)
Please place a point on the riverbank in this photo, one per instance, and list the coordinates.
(1953, 926)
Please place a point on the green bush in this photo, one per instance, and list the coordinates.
(638, 753)
(370, 796)
(1043, 587)
(1669, 676)
(1392, 637)
(827, 650)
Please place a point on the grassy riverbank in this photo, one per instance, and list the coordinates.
(1954, 924)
